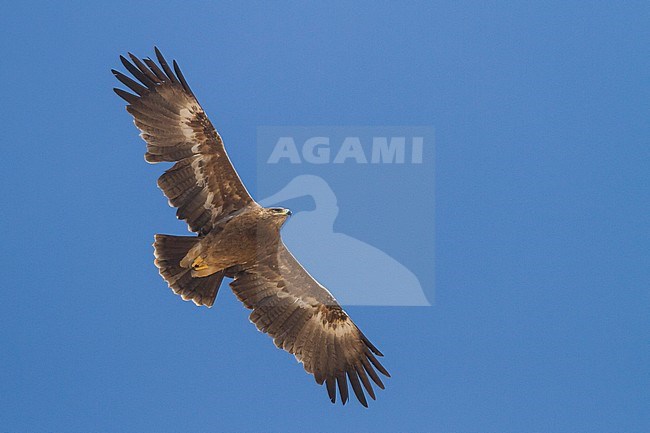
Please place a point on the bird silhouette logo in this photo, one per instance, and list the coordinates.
(356, 272)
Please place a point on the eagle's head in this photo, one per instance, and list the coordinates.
(278, 214)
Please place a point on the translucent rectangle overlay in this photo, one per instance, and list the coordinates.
(362, 199)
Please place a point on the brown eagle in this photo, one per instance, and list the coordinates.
(237, 238)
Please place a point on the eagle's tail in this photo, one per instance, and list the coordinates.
(169, 251)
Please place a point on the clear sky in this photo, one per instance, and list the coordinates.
(540, 312)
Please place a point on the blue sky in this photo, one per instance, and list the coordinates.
(540, 317)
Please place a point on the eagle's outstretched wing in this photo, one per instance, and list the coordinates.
(203, 184)
(304, 319)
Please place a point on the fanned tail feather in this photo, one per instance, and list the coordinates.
(169, 251)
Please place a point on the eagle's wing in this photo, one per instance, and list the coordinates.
(203, 184)
(304, 319)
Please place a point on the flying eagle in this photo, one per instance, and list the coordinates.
(237, 238)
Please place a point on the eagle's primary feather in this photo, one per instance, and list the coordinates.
(300, 315)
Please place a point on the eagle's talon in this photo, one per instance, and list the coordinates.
(199, 264)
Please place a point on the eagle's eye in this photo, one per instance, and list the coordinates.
(280, 211)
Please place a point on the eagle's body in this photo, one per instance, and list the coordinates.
(237, 238)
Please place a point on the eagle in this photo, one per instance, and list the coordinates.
(237, 238)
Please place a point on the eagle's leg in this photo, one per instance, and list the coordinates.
(199, 264)
(201, 268)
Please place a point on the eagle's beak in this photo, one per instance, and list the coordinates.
(287, 212)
